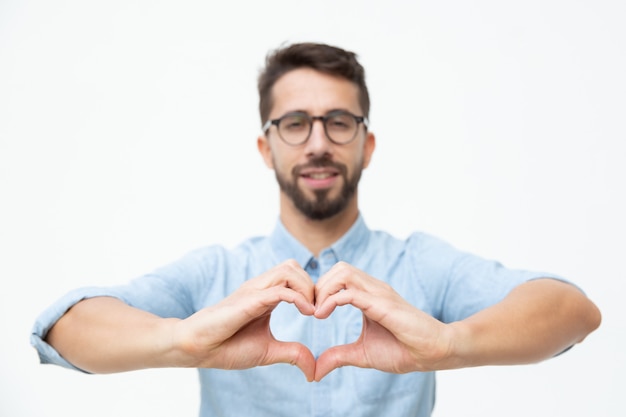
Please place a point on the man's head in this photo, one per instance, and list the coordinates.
(314, 105)
(320, 57)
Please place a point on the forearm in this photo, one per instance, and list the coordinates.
(536, 321)
(104, 335)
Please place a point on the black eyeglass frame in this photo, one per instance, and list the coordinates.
(312, 119)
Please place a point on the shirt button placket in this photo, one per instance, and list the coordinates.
(322, 339)
(312, 268)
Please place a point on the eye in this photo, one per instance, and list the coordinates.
(294, 122)
(340, 122)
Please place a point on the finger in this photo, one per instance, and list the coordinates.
(370, 295)
(338, 356)
(291, 296)
(373, 306)
(288, 274)
(324, 308)
(241, 307)
(329, 288)
(338, 278)
(359, 299)
(293, 353)
(269, 298)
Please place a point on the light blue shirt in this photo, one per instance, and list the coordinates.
(444, 282)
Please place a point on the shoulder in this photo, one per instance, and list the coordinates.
(219, 256)
(418, 246)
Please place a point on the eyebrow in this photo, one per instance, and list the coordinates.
(324, 114)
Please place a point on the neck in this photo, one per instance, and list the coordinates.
(316, 235)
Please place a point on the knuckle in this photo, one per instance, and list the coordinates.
(289, 265)
(343, 267)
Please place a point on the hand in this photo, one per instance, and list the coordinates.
(235, 333)
(396, 336)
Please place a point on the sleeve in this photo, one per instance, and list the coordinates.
(460, 284)
(47, 319)
(176, 290)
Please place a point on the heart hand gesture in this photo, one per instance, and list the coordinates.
(235, 333)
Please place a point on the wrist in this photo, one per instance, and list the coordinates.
(459, 347)
(168, 349)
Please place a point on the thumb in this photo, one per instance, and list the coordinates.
(338, 356)
(293, 353)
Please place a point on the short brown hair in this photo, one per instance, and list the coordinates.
(321, 57)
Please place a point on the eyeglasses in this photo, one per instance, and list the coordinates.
(295, 128)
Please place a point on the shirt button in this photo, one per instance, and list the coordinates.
(313, 264)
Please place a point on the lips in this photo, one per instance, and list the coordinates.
(318, 180)
(319, 174)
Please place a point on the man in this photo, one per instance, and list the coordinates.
(408, 308)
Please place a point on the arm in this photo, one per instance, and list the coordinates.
(535, 321)
(105, 335)
(101, 335)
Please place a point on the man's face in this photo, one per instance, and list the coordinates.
(319, 177)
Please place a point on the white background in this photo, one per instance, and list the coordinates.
(127, 138)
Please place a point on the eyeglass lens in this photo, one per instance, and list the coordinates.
(341, 127)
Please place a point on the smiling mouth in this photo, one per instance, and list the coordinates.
(320, 172)
(320, 175)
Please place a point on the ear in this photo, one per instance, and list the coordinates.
(368, 148)
(263, 145)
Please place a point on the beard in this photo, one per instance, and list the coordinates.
(320, 207)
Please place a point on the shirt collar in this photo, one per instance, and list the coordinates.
(347, 248)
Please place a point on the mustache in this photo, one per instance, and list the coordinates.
(320, 162)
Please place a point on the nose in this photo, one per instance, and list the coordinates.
(318, 143)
